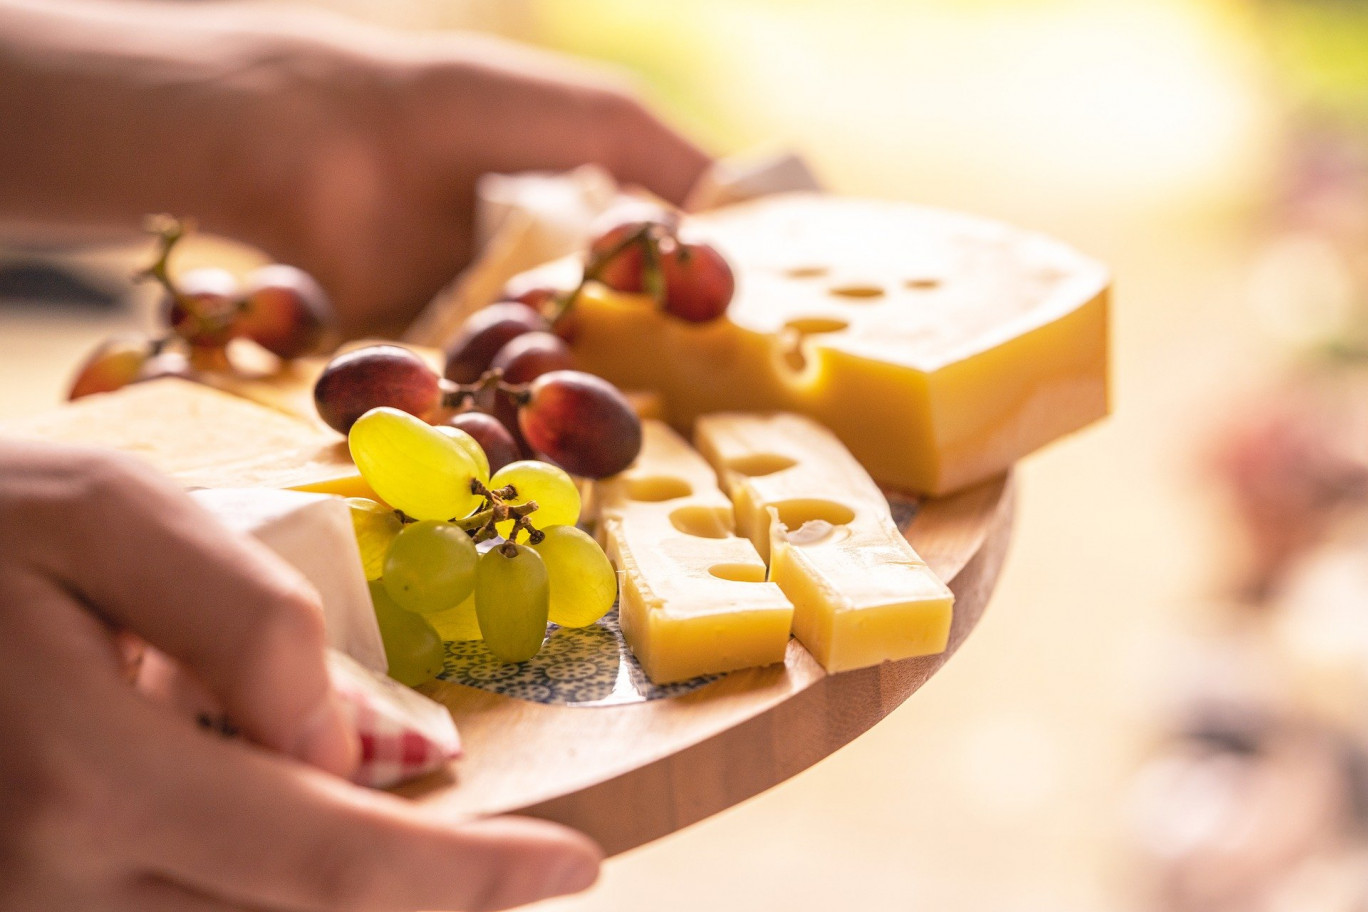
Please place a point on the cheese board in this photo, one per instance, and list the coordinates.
(628, 774)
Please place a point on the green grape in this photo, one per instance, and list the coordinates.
(375, 525)
(430, 567)
(472, 448)
(412, 648)
(558, 500)
(512, 596)
(413, 466)
(583, 584)
(457, 623)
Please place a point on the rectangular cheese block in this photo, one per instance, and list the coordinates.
(313, 533)
(203, 438)
(694, 597)
(939, 347)
(860, 593)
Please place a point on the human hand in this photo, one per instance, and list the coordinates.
(366, 152)
(109, 801)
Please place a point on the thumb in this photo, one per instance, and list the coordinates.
(233, 614)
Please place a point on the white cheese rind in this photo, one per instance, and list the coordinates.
(313, 533)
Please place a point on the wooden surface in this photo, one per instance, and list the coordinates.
(632, 773)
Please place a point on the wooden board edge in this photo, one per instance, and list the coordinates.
(770, 747)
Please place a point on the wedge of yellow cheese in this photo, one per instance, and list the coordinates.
(860, 593)
(939, 347)
(694, 598)
(204, 438)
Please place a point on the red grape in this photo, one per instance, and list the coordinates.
(498, 444)
(625, 269)
(698, 282)
(204, 309)
(538, 297)
(530, 355)
(288, 313)
(505, 411)
(580, 422)
(357, 381)
(113, 364)
(484, 333)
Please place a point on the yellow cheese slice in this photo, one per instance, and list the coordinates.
(204, 438)
(939, 347)
(694, 597)
(860, 593)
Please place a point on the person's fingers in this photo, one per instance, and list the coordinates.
(237, 822)
(151, 560)
(157, 895)
(496, 116)
(649, 153)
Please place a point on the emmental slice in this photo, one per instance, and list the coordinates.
(861, 594)
(694, 596)
(203, 438)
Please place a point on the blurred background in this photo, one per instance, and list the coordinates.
(1164, 707)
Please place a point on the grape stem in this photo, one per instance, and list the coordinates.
(169, 231)
(455, 395)
(482, 525)
(649, 236)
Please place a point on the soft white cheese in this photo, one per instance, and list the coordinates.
(313, 533)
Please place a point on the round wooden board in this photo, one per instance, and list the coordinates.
(631, 773)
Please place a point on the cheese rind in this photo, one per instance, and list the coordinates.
(939, 347)
(861, 594)
(313, 533)
(694, 599)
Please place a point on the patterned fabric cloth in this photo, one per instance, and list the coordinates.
(403, 733)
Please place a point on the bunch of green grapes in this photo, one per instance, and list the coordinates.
(458, 550)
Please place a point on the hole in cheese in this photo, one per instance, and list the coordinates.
(739, 573)
(806, 326)
(656, 488)
(858, 291)
(794, 514)
(756, 465)
(806, 272)
(700, 521)
(816, 532)
(792, 347)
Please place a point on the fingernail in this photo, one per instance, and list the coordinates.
(328, 741)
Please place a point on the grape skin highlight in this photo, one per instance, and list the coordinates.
(557, 497)
(430, 567)
(583, 583)
(413, 466)
(512, 599)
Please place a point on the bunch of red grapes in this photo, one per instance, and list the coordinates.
(280, 308)
(509, 379)
(691, 281)
(576, 420)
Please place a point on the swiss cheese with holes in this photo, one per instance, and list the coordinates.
(860, 593)
(694, 598)
(939, 347)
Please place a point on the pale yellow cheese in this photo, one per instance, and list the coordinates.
(939, 347)
(694, 597)
(861, 595)
(203, 438)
